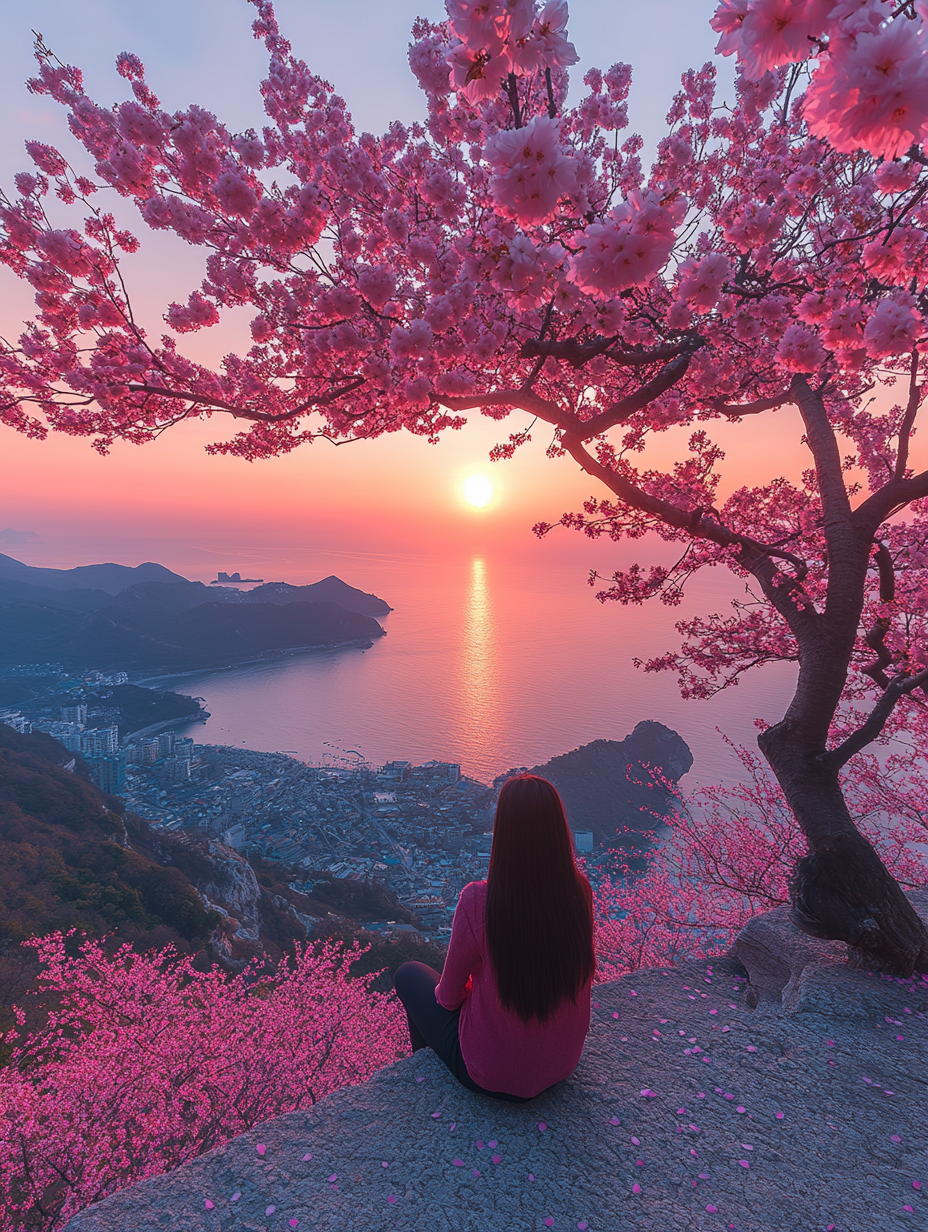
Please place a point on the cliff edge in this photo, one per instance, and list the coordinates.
(689, 1110)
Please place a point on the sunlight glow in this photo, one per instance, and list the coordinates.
(478, 491)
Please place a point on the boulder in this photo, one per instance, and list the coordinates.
(801, 973)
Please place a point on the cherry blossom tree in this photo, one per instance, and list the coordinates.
(511, 256)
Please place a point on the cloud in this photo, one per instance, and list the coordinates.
(19, 536)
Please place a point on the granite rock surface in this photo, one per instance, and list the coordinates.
(689, 1111)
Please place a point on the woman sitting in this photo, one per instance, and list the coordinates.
(511, 1010)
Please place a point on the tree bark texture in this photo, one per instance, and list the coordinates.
(841, 890)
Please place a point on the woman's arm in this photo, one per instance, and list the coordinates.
(462, 957)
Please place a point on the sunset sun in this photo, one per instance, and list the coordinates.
(478, 491)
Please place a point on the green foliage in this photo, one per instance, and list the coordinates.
(64, 863)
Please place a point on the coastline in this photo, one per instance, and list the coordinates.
(146, 679)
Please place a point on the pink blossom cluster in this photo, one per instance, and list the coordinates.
(533, 171)
(496, 38)
(869, 86)
(629, 247)
(144, 1062)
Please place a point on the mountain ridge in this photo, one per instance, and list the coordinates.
(162, 621)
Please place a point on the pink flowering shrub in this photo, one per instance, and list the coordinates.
(145, 1062)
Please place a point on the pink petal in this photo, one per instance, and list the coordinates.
(751, 1048)
(236, 1196)
(476, 1172)
(458, 1163)
(208, 1204)
(711, 1209)
(636, 1188)
(549, 1222)
(542, 1127)
(916, 1184)
(391, 1199)
(744, 1163)
(384, 1164)
(479, 1144)
(615, 1015)
(435, 1116)
(270, 1210)
(294, 1223)
(894, 1138)
(422, 1079)
(582, 1225)
(740, 1108)
(261, 1148)
(635, 1142)
(497, 1159)
(307, 1157)
(492, 1142)
(614, 1121)
(779, 1115)
(333, 1178)
(531, 1176)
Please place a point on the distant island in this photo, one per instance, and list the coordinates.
(225, 578)
(149, 619)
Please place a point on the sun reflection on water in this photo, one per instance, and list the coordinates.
(480, 685)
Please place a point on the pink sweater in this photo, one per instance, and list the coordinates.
(501, 1052)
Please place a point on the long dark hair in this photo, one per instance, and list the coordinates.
(539, 916)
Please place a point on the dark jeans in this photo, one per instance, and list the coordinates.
(432, 1026)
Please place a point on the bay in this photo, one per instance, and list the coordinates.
(489, 661)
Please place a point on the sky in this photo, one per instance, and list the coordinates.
(169, 500)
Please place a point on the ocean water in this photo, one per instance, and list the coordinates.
(490, 662)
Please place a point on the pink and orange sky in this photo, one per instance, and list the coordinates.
(169, 500)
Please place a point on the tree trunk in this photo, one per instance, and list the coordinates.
(841, 890)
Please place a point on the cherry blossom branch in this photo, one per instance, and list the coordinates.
(752, 408)
(908, 420)
(897, 688)
(577, 353)
(623, 409)
(257, 416)
(798, 611)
